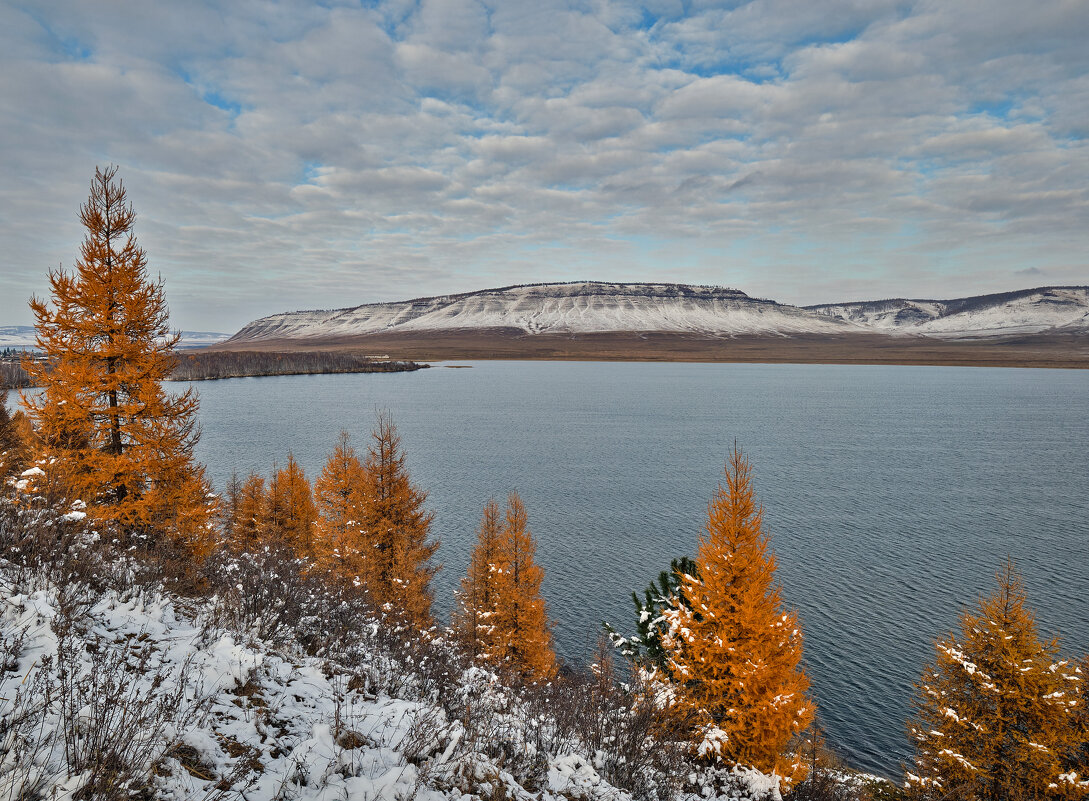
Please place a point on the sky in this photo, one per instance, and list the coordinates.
(294, 155)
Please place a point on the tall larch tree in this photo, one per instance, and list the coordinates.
(399, 529)
(291, 511)
(248, 528)
(731, 651)
(124, 445)
(523, 632)
(998, 713)
(476, 611)
(341, 542)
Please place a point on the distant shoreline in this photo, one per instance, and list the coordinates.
(1066, 351)
(219, 365)
(409, 352)
(213, 365)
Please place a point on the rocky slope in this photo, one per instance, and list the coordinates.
(594, 307)
(587, 307)
(1030, 311)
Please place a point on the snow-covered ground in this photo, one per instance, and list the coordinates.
(589, 307)
(112, 687)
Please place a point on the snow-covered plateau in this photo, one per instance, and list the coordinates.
(595, 307)
(1030, 311)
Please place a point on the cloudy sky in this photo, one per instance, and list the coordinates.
(286, 155)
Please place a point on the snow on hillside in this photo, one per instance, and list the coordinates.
(22, 337)
(1031, 311)
(17, 336)
(589, 307)
(200, 339)
(557, 308)
(217, 715)
(267, 687)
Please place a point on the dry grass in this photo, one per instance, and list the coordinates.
(1052, 350)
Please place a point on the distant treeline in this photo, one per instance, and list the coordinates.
(202, 366)
(13, 376)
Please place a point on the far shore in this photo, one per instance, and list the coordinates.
(207, 365)
(1035, 351)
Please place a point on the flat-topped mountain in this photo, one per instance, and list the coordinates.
(1060, 309)
(593, 320)
(576, 308)
(592, 307)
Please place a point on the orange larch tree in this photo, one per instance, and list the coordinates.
(1078, 755)
(341, 543)
(476, 611)
(731, 651)
(248, 503)
(999, 715)
(123, 445)
(291, 512)
(15, 439)
(523, 633)
(399, 530)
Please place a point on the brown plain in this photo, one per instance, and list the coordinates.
(1040, 350)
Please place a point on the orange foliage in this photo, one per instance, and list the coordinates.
(476, 613)
(1000, 715)
(732, 653)
(16, 440)
(247, 527)
(291, 512)
(397, 529)
(122, 444)
(341, 542)
(523, 617)
(501, 613)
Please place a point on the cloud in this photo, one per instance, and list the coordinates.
(288, 154)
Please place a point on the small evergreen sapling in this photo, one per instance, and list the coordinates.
(645, 647)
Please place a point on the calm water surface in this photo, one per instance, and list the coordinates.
(892, 494)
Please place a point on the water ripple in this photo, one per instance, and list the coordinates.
(892, 493)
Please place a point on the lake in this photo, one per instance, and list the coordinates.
(892, 494)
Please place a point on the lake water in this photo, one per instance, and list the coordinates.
(892, 494)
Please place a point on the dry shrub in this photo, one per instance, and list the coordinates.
(264, 595)
(641, 745)
(121, 706)
(23, 732)
(101, 710)
(829, 779)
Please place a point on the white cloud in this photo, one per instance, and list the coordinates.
(285, 154)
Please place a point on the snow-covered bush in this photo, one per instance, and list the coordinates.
(276, 683)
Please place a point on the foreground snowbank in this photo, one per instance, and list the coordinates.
(175, 706)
